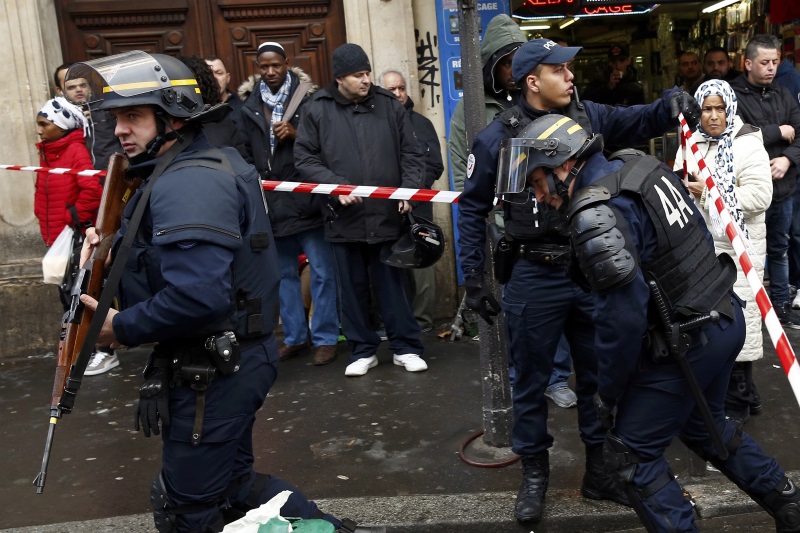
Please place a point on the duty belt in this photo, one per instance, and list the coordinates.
(546, 254)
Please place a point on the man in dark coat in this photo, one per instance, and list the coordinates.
(423, 279)
(268, 121)
(355, 133)
(769, 106)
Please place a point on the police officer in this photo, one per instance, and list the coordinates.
(200, 281)
(644, 250)
(539, 298)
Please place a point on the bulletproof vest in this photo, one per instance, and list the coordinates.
(255, 268)
(528, 221)
(691, 276)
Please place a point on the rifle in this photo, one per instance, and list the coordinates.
(72, 356)
(677, 346)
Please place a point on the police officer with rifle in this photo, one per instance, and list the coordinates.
(201, 282)
(668, 325)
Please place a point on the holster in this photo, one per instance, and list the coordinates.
(502, 252)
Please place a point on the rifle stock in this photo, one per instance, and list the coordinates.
(117, 191)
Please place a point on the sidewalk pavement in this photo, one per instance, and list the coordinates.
(382, 448)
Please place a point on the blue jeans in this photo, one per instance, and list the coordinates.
(562, 364)
(542, 305)
(325, 317)
(794, 241)
(779, 220)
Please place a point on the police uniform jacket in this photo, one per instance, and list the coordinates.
(620, 315)
(618, 125)
(289, 213)
(769, 107)
(370, 142)
(179, 281)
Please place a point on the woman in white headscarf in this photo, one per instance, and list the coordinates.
(734, 153)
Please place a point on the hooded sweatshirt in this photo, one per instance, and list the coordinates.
(502, 37)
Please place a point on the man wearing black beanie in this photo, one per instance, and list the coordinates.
(355, 133)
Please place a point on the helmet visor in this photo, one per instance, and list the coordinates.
(512, 166)
(123, 75)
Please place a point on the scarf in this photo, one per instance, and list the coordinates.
(65, 115)
(724, 174)
(275, 103)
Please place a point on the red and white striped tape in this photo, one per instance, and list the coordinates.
(392, 193)
(774, 327)
(56, 170)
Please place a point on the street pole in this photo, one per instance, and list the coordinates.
(497, 411)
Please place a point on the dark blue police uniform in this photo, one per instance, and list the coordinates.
(203, 263)
(540, 298)
(653, 401)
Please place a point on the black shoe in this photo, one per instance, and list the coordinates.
(535, 477)
(783, 503)
(598, 483)
(789, 319)
(755, 400)
(348, 526)
(740, 418)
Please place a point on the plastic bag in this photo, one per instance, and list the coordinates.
(267, 519)
(56, 260)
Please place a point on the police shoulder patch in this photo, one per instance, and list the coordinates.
(470, 165)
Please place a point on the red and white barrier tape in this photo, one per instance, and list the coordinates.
(777, 334)
(392, 193)
(55, 170)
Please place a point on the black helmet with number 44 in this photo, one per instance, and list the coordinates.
(420, 245)
(548, 142)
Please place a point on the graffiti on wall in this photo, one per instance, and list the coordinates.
(427, 48)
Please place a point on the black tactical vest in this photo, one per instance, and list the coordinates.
(255, 269)
(693, 279)
(525, 222)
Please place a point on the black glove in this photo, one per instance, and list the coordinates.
(605, 410)
(478, 296)
(683, 102)
(153, 401)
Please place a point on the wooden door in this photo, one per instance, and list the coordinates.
(309, 30)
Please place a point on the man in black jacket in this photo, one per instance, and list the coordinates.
(423, 279)
(771, 108)
(355, 133)
(268, 122)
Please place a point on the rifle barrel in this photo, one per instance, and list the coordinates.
(55, 414)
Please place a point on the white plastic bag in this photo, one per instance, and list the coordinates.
(56, 260)
(261, 515)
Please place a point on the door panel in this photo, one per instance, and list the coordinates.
(229, 29)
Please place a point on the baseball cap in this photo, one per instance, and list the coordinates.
(618, 51)
(540, 52)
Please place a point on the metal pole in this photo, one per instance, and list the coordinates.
(497, 411)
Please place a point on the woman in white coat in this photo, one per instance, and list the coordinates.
(734, 153)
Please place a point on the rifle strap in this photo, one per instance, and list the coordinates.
(117, 267)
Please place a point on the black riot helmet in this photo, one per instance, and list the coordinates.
(420, 245)
(549, 141)
(138, 78)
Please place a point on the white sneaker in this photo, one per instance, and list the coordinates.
(101, 362)
(411, 361)
(796, 301)
(361, 366)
